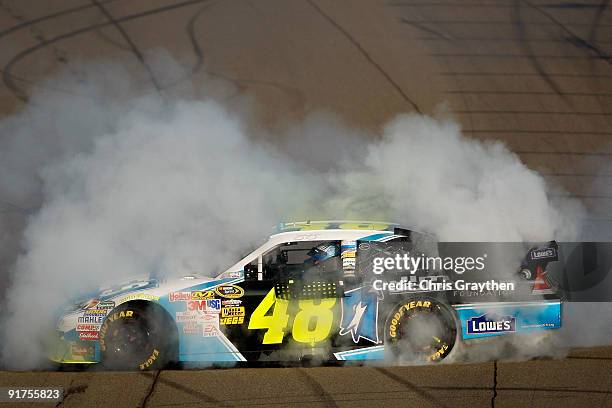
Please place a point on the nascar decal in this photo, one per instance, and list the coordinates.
(229, 291)
(312, 323)
(360, 314)
(486, 324)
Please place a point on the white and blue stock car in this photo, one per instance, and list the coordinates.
(308, 292)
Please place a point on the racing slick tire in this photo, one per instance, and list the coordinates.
(138, 336)
(421, 330)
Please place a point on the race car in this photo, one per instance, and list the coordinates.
(312, 291)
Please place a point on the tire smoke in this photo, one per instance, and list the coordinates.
(109, 182)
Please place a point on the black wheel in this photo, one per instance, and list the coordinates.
(138, 337)
(421, 330)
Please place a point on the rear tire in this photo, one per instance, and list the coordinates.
(421, 330)
(138, 336)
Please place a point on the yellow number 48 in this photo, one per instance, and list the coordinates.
(277, 321)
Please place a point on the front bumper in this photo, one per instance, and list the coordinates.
(66, 348)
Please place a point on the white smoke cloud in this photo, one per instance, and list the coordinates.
(131, 184)
(427, 174)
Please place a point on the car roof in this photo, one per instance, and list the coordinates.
(296, 226)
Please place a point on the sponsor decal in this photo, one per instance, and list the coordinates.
(96, 319)
(106, 305)
(229, 291)
(88, 336)
(348, 252)
(543, 253)
(486, 324)
(179, 296)
(82, 351)
(139, 296)
(232, 320)
(96, 312)
(231, 302)
(210, 326)
(210, 305)
(232, 311)
(232, 315)
(84, 327)
(150, 360)
(238, 274)
(406, 307)
(360, 314)
(91, 304)
(192, 328)
(193, 316)
(202, 295)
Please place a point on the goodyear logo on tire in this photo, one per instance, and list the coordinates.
(407, 307)
(104, 329)
(229, 291)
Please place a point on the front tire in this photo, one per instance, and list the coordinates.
(138, 336)
(421, 330)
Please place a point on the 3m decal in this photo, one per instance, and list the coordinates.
(210, 305)
(312, 323)
(360, 314)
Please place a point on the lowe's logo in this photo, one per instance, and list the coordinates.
(543, 253)
(484, 324)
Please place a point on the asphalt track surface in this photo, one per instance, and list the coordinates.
(536, 74)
